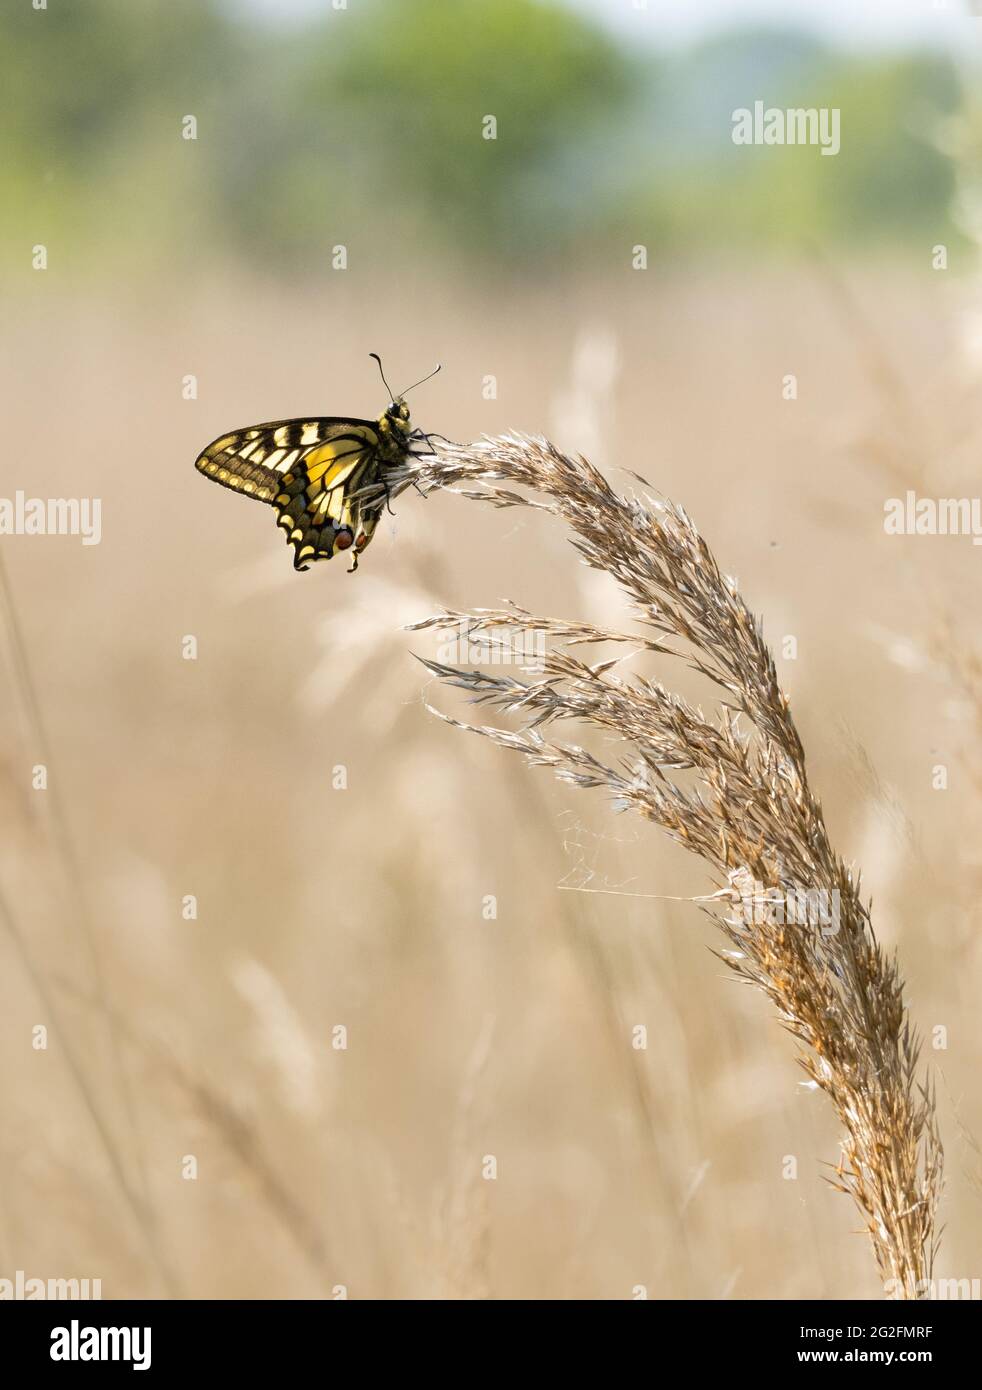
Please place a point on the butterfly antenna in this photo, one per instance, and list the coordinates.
(382, 374)
(421, 380)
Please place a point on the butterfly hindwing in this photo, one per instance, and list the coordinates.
(318, 504)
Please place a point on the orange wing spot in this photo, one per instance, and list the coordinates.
(344, 539)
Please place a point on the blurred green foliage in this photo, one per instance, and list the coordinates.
(366, 128)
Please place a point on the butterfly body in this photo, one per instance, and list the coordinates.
(325, 476)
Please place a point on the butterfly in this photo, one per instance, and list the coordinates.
(326, 477)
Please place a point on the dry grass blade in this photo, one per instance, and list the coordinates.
(791, 909)
(139, 1208)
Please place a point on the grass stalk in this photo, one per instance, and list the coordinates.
(733, 788)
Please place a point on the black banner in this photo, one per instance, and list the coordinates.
(173, 1338)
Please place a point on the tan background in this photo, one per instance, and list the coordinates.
(363, 907)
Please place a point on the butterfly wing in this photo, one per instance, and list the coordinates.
(309, 470)
(319, 507)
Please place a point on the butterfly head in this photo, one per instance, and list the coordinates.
(396, 417)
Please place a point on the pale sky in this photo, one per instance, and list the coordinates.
(876, 23)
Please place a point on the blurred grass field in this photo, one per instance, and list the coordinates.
(363, 907)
